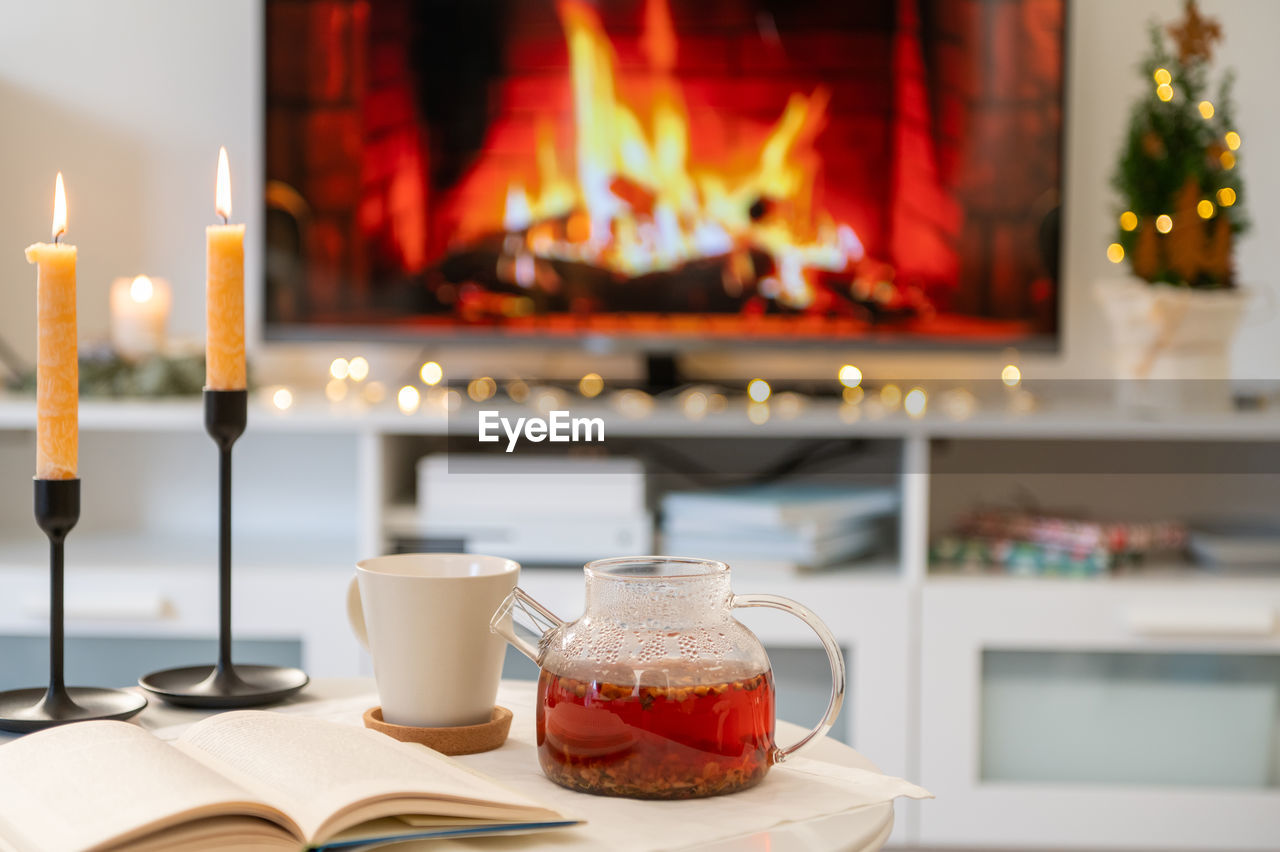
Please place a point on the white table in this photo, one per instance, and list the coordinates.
(864, 829)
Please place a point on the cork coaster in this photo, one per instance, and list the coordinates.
(464, 739)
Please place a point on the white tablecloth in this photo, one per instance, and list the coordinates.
(759, 818)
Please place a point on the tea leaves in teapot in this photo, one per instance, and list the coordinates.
(655, 741)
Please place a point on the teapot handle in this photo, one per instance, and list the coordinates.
(833, 656)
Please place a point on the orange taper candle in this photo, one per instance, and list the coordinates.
(224, 293)
(57, 369)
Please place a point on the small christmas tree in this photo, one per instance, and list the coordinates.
(1178, 177)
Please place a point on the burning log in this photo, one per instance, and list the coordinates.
(485, 280)
(563, 285)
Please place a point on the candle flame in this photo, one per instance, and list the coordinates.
(222, 201)
(141, 290)
(59, 209)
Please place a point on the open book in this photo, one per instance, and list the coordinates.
(243, 780)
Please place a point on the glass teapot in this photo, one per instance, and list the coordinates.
(657, 692)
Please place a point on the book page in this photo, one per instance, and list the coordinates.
(93, 783)
(329, 776)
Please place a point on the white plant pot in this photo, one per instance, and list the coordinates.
(1171, 345)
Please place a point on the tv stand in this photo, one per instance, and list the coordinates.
(916, 639)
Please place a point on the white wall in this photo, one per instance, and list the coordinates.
(130, 99)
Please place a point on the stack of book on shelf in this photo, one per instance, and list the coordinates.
(1243, 546)
(795, 527)
(1020, 542)
(551, 510)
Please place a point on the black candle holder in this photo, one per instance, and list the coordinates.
(224, 684)
(57, 508)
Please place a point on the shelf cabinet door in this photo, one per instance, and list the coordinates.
(1114, 714)
(118, 661)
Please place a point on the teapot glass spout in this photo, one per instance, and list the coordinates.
(526, 624)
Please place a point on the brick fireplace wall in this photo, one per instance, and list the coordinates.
(315, 92)
(998, 126)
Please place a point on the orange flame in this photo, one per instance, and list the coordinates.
(659, 40)
(222, 197)
(647, 208)
(59, 208)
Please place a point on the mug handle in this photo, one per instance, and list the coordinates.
(833, 656)
(355, 613)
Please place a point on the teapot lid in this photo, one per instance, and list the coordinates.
(654, 568)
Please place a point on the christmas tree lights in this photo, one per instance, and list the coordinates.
(1177, 178)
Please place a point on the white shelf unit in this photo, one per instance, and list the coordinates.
(320, 485)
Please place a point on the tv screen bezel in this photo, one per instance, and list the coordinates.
(1050, 343)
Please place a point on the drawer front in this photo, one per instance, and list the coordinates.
(298, 614)
(110, 602)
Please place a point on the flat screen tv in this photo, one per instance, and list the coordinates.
(682, 171)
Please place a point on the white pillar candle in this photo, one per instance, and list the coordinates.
(139, 316)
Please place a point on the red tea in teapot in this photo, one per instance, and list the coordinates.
(655, 742)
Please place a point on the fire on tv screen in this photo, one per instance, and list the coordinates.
(788, 170)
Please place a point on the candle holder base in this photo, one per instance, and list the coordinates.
(26, 710)
(212, 687)
(57, 509)
(222, 684)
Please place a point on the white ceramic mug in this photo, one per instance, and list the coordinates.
(425, 619)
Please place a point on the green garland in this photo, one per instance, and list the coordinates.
(108, 375)
(1181, 200)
